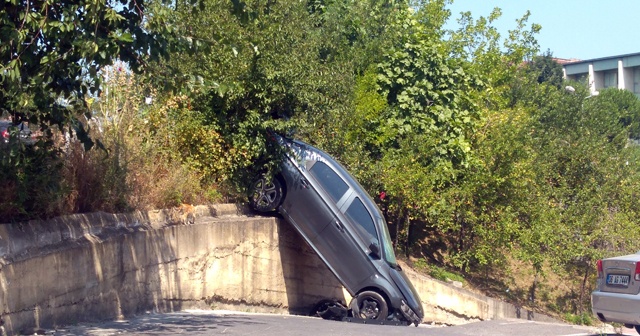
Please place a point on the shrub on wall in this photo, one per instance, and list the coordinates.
(152, 152)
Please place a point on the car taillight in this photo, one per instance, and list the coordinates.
(637, 273)
(600, 272)
(5, 134)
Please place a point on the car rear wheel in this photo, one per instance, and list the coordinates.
(266, 194)
(369, 305)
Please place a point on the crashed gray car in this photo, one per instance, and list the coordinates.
(341, 222)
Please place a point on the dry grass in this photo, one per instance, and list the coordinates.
(556, 294)
(138, 165)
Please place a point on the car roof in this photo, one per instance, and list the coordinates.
(342, 171)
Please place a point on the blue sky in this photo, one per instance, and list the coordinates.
(582, 29)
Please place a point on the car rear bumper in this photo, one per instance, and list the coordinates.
(616, 307)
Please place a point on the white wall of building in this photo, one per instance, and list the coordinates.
(621, 71)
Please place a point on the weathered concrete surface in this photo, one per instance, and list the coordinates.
(104, 266)
(101, 266)
(447, 304)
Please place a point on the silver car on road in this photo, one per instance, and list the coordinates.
(617, 294)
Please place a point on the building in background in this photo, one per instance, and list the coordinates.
(622, 72)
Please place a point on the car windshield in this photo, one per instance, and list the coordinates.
(387, 246)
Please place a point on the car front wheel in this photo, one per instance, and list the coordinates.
(369, 305)
(266, 194)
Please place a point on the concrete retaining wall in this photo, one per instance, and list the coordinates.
(105, 266)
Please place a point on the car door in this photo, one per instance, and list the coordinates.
(336, 242)
(306, 208)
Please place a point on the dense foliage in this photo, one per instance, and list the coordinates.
(476, 152)
(52, 54)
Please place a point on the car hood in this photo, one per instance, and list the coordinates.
(408, 291)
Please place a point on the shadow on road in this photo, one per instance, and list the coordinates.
(162, 324)
(307, 279)
(201, 323)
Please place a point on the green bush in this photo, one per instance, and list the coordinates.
(442, 274)
(30, 181)
(580, 319)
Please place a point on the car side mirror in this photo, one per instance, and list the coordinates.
(375, 250)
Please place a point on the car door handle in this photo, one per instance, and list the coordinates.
(304, 183)
(339, 226)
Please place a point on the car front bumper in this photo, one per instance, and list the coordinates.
(409, 314)
(616, 307)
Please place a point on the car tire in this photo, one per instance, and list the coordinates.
(637, 328)
(369, 305)
(265, 194)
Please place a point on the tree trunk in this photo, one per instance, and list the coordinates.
(408, 229)
(532, 290)
(398, 231)
(582, 289)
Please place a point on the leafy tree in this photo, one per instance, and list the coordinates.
(54, 51)
(471, 209)
(495, 59)
(432, 15)
(426, 92)
(421, 137)
(577, 172)
(289, 66)
(51, 58)
(547, 69)
(251, 71)
(627, 106)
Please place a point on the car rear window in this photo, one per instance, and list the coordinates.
(358, 214)
(329, 180)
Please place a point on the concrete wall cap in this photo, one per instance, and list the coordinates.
(39, 234)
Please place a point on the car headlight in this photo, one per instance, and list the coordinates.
(409, 313)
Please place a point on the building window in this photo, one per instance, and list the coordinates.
(636, 81)
(611, 79)
(582, 78)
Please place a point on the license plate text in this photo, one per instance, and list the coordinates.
(618, 280)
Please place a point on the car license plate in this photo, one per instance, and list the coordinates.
(618, 280)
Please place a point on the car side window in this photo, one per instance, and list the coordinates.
(329, 180)
(359, 215)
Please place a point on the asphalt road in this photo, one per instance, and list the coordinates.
(200, 322)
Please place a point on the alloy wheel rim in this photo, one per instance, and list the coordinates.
(264, 193)
(370, 309)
